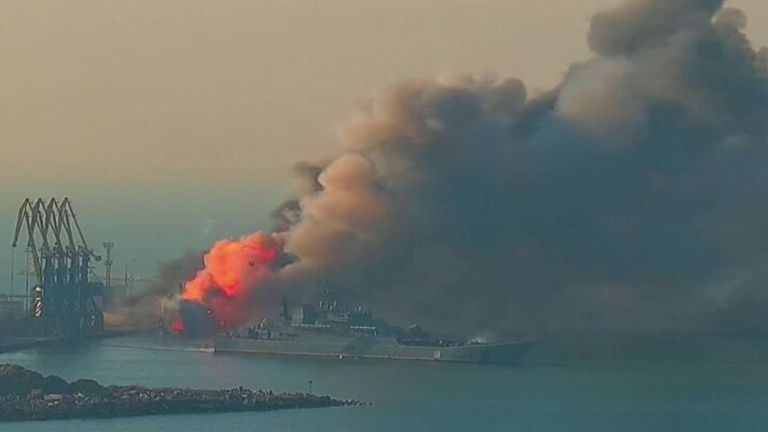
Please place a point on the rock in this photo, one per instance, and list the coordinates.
(87, 387)
(54, 384)
(14, 379)
(29, 396)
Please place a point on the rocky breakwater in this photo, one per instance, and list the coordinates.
(28, 395)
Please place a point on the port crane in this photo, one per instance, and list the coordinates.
(63, 299)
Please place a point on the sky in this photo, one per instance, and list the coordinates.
(174, 123)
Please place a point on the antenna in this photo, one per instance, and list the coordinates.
(108, 264)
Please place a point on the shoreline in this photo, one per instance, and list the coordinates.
(10, 344)
(26, 395)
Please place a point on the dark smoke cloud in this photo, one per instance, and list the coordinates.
(289, 212)
(145, 309)
(644, 24)
(631, 197)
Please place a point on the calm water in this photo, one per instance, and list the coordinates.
(422, 396)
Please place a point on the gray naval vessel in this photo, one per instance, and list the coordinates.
(327, 329)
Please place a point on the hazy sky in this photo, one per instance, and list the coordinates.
(174, 122)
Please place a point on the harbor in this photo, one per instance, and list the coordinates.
(9, 344)
(574, 396)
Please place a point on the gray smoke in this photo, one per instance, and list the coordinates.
(630, 197)
(146, 308)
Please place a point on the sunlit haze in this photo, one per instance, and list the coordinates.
(175, 123)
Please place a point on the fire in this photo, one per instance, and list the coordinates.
(233, 270)
(178, 326)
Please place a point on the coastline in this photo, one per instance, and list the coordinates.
(29, 396)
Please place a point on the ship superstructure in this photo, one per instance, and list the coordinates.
(329, 329)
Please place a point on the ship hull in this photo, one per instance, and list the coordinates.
(376, 348)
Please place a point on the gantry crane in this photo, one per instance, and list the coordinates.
(63, 298)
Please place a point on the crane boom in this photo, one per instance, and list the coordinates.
(61, 256)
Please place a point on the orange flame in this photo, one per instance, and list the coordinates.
(233, 270)
(178, 326)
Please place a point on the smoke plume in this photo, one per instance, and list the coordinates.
(630, 197)
(146, 308)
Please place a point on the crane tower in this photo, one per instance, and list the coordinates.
(64, 295)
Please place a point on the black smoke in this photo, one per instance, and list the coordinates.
(149, 307)
(630, 197)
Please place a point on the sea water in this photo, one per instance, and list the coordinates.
(419, 396)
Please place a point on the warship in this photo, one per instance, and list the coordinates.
(328, 329)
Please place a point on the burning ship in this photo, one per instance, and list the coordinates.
(219, 299)
(328, 329)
